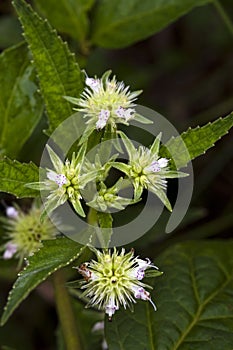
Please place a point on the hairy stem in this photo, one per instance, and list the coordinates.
(65, 313)
(224, 16)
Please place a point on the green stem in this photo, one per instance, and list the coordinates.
(224, 16)
(92, 219)
(65, 313)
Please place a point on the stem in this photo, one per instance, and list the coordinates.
(92, 219)
(65, 313)
(224, 16)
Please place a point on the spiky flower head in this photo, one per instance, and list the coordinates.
(65, 182)
(115, 280)
(106, 101)
(25, 232)
(147, 170)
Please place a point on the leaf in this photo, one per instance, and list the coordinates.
(15, 175)
(52, 256)
(197, 141)
(67, 16)
(139, 19)
(58, 72)
(194, 300)
(21, 106)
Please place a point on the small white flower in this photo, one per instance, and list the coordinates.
(102, 119)
(111, 307)
(124, 113)
(10, 250)
(60, 179)
(154, 167)
(145, 264)
(94, 84)
(11, 212)
(163, 162)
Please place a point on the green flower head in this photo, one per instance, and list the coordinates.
(25, 232)
(65, 182)
(114, 280)
(147, 170)
(107, 198)
(106, 101)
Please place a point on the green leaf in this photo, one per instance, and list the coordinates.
(67, 16)
(194, 301)
(21, 106)
(197, 141)
(139, 19)
(58, 72)
(15, 175)
(51, 257)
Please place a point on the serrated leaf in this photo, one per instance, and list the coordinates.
(52, 256)
(194, 300)
(139, 19)
(197, 141)
(67, 16)
(21, 106)
(58, 72)
(15, 175)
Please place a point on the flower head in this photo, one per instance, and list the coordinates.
(65, 182)
(106, 101)
(147, 170)
(107, 198)
(114, 280)
(25, 232)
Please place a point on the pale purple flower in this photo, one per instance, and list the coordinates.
(102, 119)
(60, 179)
(141, 293)
(11, 249)
(93, 83)
(111, 307)
(12, 213)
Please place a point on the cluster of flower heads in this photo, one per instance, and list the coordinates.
(115, 279)
(106, 102)
(25, 232)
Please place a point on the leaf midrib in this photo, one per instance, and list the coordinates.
(199, 311)
(48, 54)
(149, 321)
